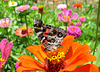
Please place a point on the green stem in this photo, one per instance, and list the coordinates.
(65, 24)
(27, 28)
(86, 2)
(41, 16)
(7, 33)
(98, 13)
(54, 11)
(66, 2)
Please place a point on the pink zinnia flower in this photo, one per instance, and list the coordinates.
(45, 11)
(34, 7)
(71, 23)
(22, 32)
(62, 6)
(5, 52)
(5, 22)
(5, 0)
(65, 16)
(22, 7)
(78, 24)
(82, 18)
(74, 30)
(16, 66)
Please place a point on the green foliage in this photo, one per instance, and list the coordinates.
(88, 29)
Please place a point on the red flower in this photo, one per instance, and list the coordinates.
(57, 61)
(77, 5)
(22, 32)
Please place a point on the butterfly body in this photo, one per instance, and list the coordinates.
(51, 37)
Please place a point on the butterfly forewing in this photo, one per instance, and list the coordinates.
(51, 37)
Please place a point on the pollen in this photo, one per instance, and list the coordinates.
(73, 28)
(1, 59)
(23, 7)
(13, 2)
(55, 61)
(64, 17)
(82, 16)
(40, 7)
(23, 28)
(68, 17)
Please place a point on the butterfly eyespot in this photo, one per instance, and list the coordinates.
(59, 34)
(51, 40)
(52, 33)
(37, 25)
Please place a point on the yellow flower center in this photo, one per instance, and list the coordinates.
(82, 16)
(40, 7)
(23, 7)
(1, 59)
(66, 17)
(23, 28)
(73, 28)
(55, 61)
(13, 2)
(55, 57)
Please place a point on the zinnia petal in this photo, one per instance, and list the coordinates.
(67, 42)
(37, 51)
(87, 68)
(30, 63)
(72, 50)
(8, 50)
(2, 46)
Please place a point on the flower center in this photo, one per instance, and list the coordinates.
(73, 28)
(23, 7)
(55, 61)
(5, 22)
(13, 2)
(24, 31)
(40, 7)
(1, 59)
(82, 16)
(66, 17)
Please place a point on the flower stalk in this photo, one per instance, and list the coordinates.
(27, 28)
(86, 2)
(41, 16)
(97, 25)
(54, 11)
(66, 2)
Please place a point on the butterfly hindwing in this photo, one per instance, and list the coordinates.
(51, 37)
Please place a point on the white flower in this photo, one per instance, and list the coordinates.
(62, 6)
(12, 3)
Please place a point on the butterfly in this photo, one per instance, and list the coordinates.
(51, 37)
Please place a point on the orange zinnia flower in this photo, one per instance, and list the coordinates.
(56, 61)
(22, 32)
(77, 5)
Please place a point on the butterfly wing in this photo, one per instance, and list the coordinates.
(51, 37)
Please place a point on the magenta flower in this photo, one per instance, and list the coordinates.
(34, 7)
(71, 23)
(65, 16)
(16, 66)
(22, 8)
(5, 0)
(62, 6)
(74, 30)
(78, 24)
(45, 11)
(82, 18)
(5, 22)
(5, 51)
